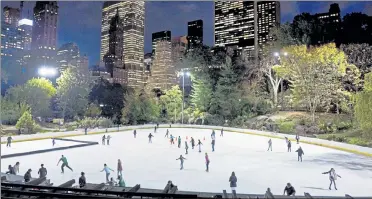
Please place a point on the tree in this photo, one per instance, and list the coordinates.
(360, 55)
(139, 108)
(105, 123)
(359, 25)
(172, 102)
(363, 105)
(44, 84)
(87, 123)
(313, 73)
(93, 110)
(201, 93)
(27, 123)
(73, 88)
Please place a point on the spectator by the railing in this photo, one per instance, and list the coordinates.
(121, 181)
(42, 171)
(289, 189)
(112, 182)
(27, 175)
(82, 180)
(16, 168)
(233, 180)
(10, 170)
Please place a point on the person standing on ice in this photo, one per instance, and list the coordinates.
(300, 152)
(270, 145)
(186, 147)
(53, 141)
(221, 135)
(332, 177)
(42, 171)
(213, 143)
(192, 143)
(134, 133)
(207, 162)
(9, 141)
(82, 180)
(108, 139)
(120, 167)
(150, 138)
(213, 134)
(103, 139)
(64, 164)
(298, 138)
(179, 141)
(289, 145)
(155, 129)
(181, 158)
(166, 134)
(233, 180)
(16, 168)
(171, 139)
(199, 144)
(107, 171)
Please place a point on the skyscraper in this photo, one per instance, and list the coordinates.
(195, 33)
(234, 23)
(179, 47)
(26, 27)
(133, 14)
(165, 35)
(163, 75)
(67, 56)
(11, 15)
(44, 33)
(332, 23)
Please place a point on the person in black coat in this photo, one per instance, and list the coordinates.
(289, 190)
(10, 170)
(300, 152)
(289, 146)
(27, 175)
(82, 180)
(192, 143)
(135, 133)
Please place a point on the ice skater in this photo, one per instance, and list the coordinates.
(192, 143)
(120, 167)
(332, 177)
(207, 162)
(108, 139)
(199, 144)
(150, 138)
(179, 141)
(53, 141)
(134, 133)
(9, 141)
(300, 152)
(297, 138)
(171, 139)
(42, 171)
(155, 129)
(186, 147)
(270, 145)
(213, 134)
(286, 140)
(181, 158)
(107, 171)
(64, 164)
(213, 143)
(166, 134)
(221, 135)
(103, 139)
(289, 145)
(233, 180)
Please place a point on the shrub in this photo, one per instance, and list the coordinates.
(286, 126)
(214, 120)
(357, 141)
(105, 123)
(343, 125)
(26, 123)
(264, 107)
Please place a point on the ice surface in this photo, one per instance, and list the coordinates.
(152, 165)
(20, 147)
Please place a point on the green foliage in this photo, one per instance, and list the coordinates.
(93, 110)
(359, 55)
(217, 120)
(88, 122)
(264, 107)
(286, 126)
(42, 83)
(73, 88)
(358, 141)
(172, 103)
(105, 123)
(27, 124)
(363, 106)
(201, 93)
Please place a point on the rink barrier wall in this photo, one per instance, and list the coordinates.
(365, 151)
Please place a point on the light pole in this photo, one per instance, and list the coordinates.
(183, 74)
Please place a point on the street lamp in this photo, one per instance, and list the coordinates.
(47, 72)
(183, 74)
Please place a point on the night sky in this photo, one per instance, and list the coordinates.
(80, 22)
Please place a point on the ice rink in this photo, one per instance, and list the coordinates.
(152, 165)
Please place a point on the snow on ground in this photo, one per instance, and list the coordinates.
(21, 147)
(152, 165)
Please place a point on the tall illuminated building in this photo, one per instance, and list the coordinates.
(165, 35)
(195, 33)
(133, 15)
(68, 55)
(26, 27)
(11, 15)
(44, 34)
(234, 23)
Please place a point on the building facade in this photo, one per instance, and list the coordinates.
(332, 23)
(26, 27)
(133, 14)
(68, 55)
(234, 23)
(194, 34)
(11, 15)
(179, 48)
(165, 35)
(44, 34)
(163, 74)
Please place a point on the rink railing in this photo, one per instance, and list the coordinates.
(315, 141)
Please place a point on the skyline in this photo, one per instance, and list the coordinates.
(80, 22)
